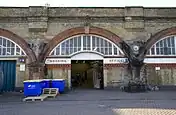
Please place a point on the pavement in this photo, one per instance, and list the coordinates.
(93, 102)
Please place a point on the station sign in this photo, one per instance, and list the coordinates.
(57, 61)
(68, 61)
(160, 60)
(115, 60)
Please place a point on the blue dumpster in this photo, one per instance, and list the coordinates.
(33, 87)
(46, 83)
(59, 83)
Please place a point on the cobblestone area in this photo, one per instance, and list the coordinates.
(93, 102)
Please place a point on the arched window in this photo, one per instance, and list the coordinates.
(86, 43)
(165, 46)
(10, 48)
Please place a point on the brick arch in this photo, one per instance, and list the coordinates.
(21, 42)
(161, 34)
(76, 31)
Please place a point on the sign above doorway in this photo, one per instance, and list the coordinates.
(68, 61)
(115, 60)
(58, 61)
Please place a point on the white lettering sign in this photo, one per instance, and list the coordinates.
(157, 68)
(57, 61)
(115, 60)
(22, 67)
(160, 60)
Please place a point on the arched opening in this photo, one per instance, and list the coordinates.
(15, 54)
(160, 58)
(86, 43)
(76, 53)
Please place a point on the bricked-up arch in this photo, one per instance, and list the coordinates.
(21, 42)
(169, 32)
(78, 31)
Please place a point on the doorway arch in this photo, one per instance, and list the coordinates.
(76, 43)
(113, 38)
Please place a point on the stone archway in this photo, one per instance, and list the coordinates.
(62, 63)
(161, 34)
(76, 31)
(21, 42)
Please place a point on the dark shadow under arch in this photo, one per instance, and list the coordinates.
(21, 42)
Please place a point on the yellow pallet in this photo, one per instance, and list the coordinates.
(35, 98)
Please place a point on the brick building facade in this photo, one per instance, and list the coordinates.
(38, 32)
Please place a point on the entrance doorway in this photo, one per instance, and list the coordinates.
(7, 75)
(87, 74)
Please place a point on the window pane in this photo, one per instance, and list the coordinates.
(165, 51)
(106, 51)
(161, 51)
(17, 49)
(63, 51)
(8, 51)
(106, 44)
(115, 50)
(75, 50)
(0, 51)
(169, 51)
(12, 51)
(102, 50)
(165, 43)
(12, 44)
(79, 49)
(93, 42)
(4, 51)
(157, 45)
(110, 51)
(173, 51)
(161, 43)
(84, 42)
(67, 51)
(101, 44)
(71, 42)
(168, 42)
(75, 40)
(98, 49)
(110, 45)
(88, 42)
(172, 42)
(152, 51)
(4, 42)
(67, 44)
(8, 43)
(98, 42)
(63, 45)
(79, 41)
(71, 50)
(58, 50)
(157, 51)
(0, 41)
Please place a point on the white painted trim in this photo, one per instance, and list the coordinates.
(160, 60)
(3, 58)
(87, 56)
